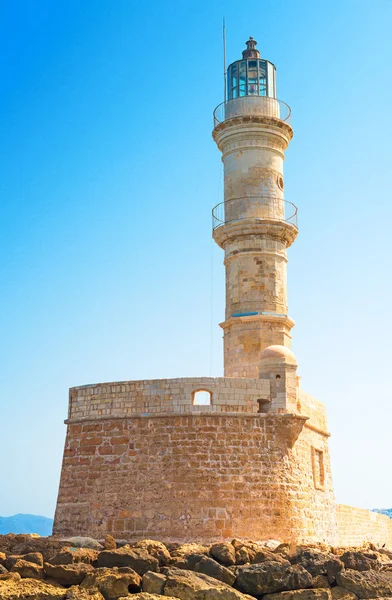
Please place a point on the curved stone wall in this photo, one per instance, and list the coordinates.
(174, 471)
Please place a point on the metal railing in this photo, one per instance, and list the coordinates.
(252, 106)
(254, 208)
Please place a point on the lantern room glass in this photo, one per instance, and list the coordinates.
(251, 77)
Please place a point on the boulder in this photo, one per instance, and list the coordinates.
(10, 576)
(272, 577)
(3, 570)
(182, 551)
(360, 561)
(33, 557)
(317, 562)
(210, 567)
(70, 556)
(265, 555)
(320, 581)
(186, 561)
(68, 574)
(77, 593)
(153, 583)
(314, 594)
(188, 585)
(365, 584)
(2, 558)
(224, 553)
(146, 596)
(137, 558)
(113, 583)
(339, 593)
(83, 542)
(156, 549)
(29, 589)
(110, 543)
(28, 569)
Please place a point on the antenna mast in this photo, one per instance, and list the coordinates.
(224, 61)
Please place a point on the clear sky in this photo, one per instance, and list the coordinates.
(108, 174)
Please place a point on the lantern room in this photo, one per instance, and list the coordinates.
(251, 76)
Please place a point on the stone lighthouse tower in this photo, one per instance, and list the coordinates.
(254, 225)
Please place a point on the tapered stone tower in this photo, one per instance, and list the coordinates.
(254, 225)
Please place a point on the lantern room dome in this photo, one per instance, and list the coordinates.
(251, 76)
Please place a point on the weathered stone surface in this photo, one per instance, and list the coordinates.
(110, 543)
(28, 569)
(69, 556)
(188, 585)
(313, 594)
(339, 593)
(2, 558)
(320, 581)
(32, 557)
(266, 555)
(71, 574)
(271, 577)
(113, 583)
(360, 561)
(365, 584)
(153, 583)
(317, 562)
(146, 596)
(156, 549)
(30, 589)
(83, 542)
(9, 575)
(3, 570)
(210, 567)
(137, 558)
(77, 593)
(224, 553)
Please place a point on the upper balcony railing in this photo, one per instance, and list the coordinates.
(254, 208)
(255, 106)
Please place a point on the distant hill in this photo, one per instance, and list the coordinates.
(26, 524)
(384, 511)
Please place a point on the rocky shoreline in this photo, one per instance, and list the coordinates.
(34, 568)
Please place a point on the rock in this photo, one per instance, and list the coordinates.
(187, 561)
(110, 543)
(271, 577)
(28, 569)
(360, 561)
(210, 567)
(185, 550)
(224, 553)
(365, 584)
(153, 583)
(339, 593)
(283, 549)
(9, 576)
(317, 562)
(113, 583)
(70, 556)
(146, 596)
(3, 570)
(2, 558)
(156, 549)
(265, 555)
(137, 558)
(83, 542)
(32, 557)
(188, 585)
(320, 581)
(77, 593)
(68, 574)
(314, 594)
(30, 589)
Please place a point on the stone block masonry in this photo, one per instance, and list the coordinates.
(141, 460)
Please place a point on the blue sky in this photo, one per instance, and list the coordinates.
(108, 174)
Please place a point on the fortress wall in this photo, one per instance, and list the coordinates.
(158, 396)
(194, 477)
(356, 526)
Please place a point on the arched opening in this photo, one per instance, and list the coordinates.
(202, 398)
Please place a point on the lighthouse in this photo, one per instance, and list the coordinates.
(254, 225)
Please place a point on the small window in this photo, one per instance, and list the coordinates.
(318, 468)
(202, 398)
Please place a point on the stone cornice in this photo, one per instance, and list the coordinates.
(283, 319)
(269, 228)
